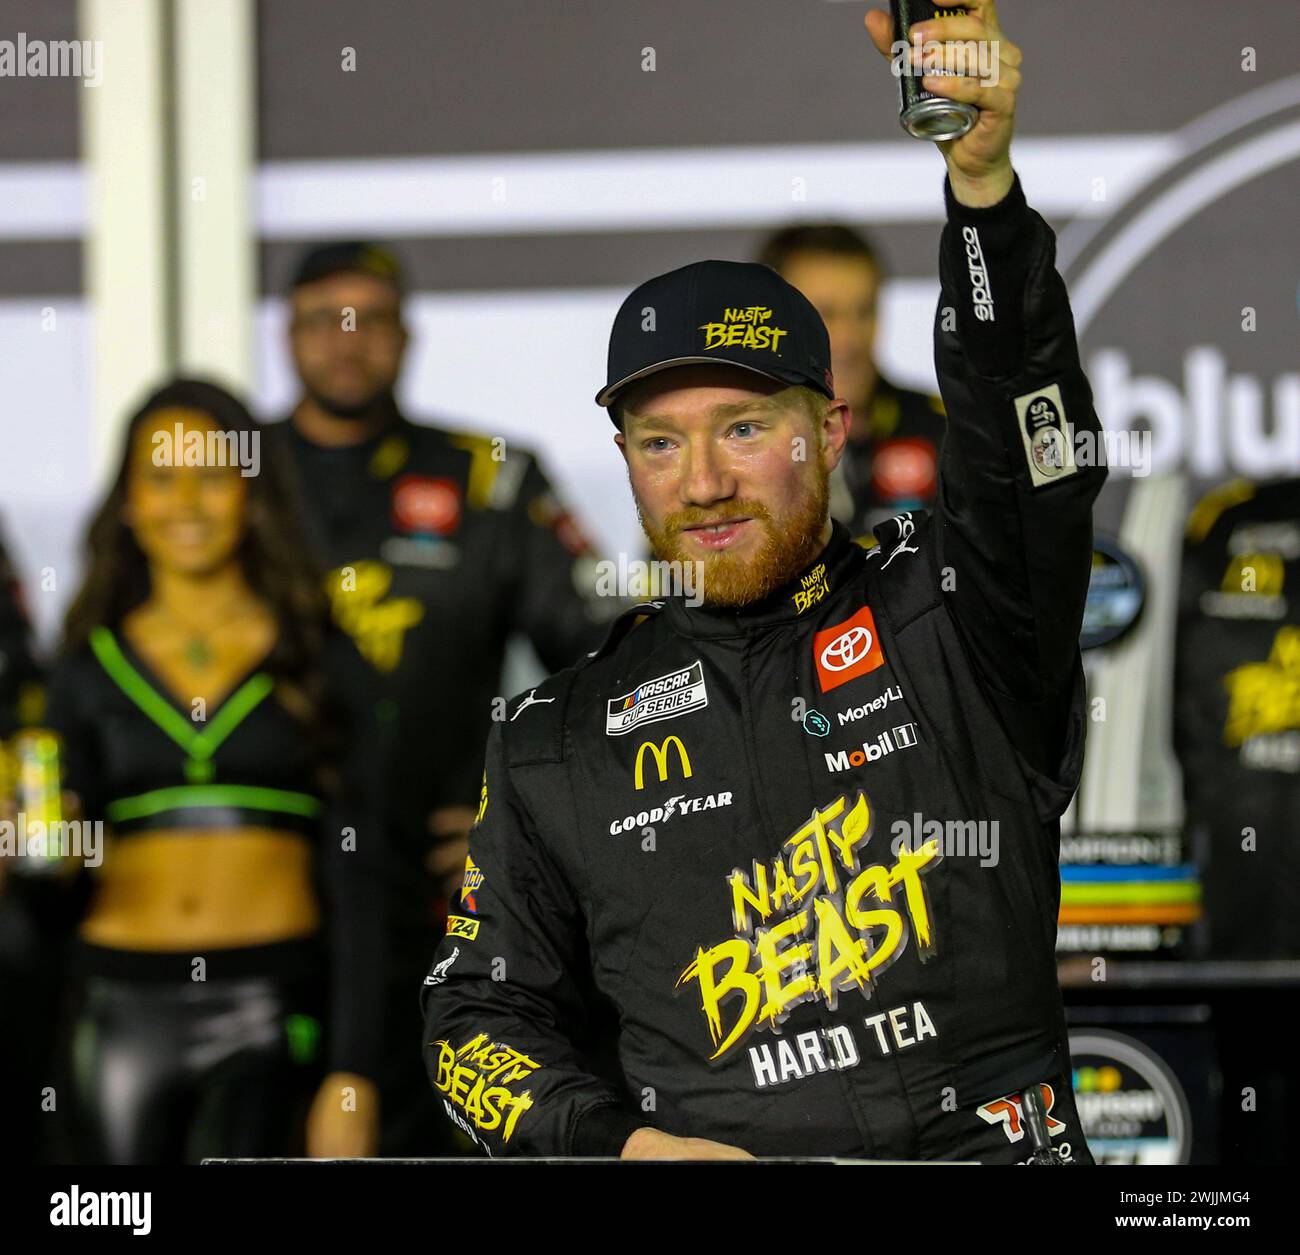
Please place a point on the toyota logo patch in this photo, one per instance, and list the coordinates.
(847, 650)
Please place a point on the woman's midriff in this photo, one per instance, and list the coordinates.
(179, 888)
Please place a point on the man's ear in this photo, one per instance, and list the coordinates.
(621, 440)
(835, 429)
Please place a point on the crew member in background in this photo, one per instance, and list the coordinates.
(441, 545)
(1237, 731)
(892, 458)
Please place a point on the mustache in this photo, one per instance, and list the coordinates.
(698, 516)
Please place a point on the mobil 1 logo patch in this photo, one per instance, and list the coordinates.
(665, 697)
(1046, 436)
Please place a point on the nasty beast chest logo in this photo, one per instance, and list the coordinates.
(810, 924)
(745, 328)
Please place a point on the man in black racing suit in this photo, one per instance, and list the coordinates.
(776, 874)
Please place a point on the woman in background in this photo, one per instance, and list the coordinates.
(211, 716)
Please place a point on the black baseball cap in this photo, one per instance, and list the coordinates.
(738, 313)
(348, 257)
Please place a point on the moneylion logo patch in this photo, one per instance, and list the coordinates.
(665, 697)
(749, 327)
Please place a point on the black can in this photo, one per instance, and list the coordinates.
(925, 115)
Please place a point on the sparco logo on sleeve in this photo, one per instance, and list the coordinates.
(665, 697)
(980, 294)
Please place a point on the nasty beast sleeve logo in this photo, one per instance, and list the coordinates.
(479, 1077)
(833, 925)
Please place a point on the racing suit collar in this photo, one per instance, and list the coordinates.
(820, 579)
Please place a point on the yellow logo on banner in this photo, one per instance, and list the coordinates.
(1261, 573)
(1264, 697)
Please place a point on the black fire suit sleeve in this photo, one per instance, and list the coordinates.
(1022, 462)
(555, 605)
(504, 1003)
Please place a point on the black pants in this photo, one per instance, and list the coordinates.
(170, 1069)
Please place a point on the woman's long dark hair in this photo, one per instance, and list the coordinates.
(272, 554)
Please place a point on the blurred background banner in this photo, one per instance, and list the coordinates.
(532, 162)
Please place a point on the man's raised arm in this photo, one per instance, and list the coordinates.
(1022, 460)
(1022, 457)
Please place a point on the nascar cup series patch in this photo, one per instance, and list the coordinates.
(665, 697)
(1046, 436)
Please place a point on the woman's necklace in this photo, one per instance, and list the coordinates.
(197, 649)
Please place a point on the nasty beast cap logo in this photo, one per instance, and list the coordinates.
(665, 697)
(748, 327)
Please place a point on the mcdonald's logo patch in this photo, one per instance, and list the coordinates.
(659, 756)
